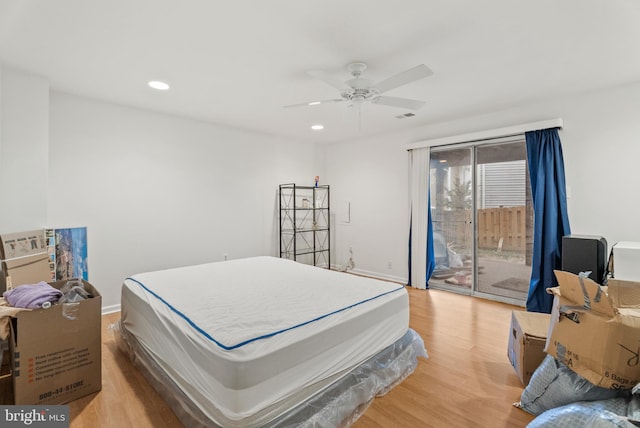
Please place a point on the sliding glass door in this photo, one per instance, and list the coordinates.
(451, 183)
(504, 220)
(482, 219)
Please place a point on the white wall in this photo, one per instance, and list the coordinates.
(372, 177)
(24, 141)
(601, 144)
(157, 191)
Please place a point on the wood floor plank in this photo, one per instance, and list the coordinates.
(467, 380)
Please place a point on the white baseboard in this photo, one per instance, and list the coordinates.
(378, 275)
(110, 309)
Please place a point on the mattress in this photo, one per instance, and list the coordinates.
(248, 340)
(338, 405)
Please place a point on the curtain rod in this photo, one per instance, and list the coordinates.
(488, 134)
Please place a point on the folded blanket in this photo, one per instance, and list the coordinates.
(32, 296)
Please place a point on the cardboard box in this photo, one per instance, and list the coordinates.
(26, 270)
(626, 261)
(596, 331)
(56, 352)
(24, 258)
(527, 338)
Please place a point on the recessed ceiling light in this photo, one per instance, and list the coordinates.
(161, 86)
(443, 161)
(317, 127)
(314, 103)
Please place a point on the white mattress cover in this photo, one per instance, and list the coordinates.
(247, 338)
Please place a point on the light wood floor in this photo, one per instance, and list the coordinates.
(467, 380)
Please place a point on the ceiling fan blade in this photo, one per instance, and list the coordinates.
(315, 103)
(398, 102)
(329, 79)
(411, 75)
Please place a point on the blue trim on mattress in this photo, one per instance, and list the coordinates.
(264, 336)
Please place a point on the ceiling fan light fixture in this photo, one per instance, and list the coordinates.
(317, 127)
(359, 90)
(159, 85)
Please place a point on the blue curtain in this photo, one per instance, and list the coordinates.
(431, 256)
(551, 219)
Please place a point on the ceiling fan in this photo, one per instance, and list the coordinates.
(359, 90)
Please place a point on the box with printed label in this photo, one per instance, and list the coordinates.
(24, 259)
(527, 338)
(56, 352)
(595, 331)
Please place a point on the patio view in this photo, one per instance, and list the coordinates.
(493, 179)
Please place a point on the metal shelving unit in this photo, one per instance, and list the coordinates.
(305, 224)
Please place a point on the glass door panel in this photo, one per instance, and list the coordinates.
(451, 187)
(504, 220)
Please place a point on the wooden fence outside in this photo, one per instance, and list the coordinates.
(503, 229)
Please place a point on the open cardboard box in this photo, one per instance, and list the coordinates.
(56, 352)
(595, 330)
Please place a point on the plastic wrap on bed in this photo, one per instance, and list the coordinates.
(164, 386)
(338, 405)
(346, 399)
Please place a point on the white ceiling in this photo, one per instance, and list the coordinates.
(238, 62)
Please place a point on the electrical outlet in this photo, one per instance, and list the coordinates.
(225, 256)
